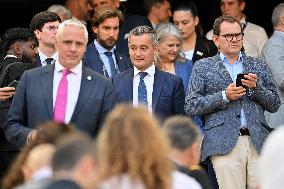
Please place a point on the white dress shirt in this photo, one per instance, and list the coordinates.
(149, 82)
(74, 83)
(43, 57)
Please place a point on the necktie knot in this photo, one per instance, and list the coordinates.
(143, 75)
(66, 72)
(49, 60)
(108, 53)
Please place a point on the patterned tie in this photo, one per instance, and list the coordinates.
(142, 91)
(111, 63)
(61, 98)
(49, 60)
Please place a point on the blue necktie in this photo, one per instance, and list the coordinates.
(111, 63)
(142, 91)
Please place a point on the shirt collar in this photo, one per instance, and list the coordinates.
(11, 56)
(101, 49)
(43, 56)
(150, 71)
(223, 57)
(75, 70)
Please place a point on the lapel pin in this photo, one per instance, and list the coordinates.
(89, 78)
(120, 58)
(199, 53)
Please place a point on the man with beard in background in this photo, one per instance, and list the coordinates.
(101, 54)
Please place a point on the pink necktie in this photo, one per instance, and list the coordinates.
(61, 98)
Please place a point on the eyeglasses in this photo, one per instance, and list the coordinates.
(230, 36)
(52, 28)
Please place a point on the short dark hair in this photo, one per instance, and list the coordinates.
(101, 15)
(181, 131)
(142, 30)
(70, 149)
(225, 18)
(13, 35)
(148, 4)
(42, 18)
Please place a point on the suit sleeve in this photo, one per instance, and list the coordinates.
(196, 101)
(108, 102)
(265, 92)
(16, 129)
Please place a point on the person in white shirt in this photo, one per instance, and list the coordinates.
(254, 35)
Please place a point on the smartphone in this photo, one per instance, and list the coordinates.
(239, 78)
(13, 84)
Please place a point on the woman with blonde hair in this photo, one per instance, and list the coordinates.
(133, 152)
(170, 57)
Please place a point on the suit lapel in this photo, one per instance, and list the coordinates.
(85, 91)
(118, 59)
(247, 65)
(94, 55)
(221, 69)
(46, 82)
(157, 88)
(128, 85)
(37, 61)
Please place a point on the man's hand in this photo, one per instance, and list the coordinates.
(234, 93)
(250, 81)
(6, 92)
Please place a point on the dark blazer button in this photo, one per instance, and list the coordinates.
(238, 116)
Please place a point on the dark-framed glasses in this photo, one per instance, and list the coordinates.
(52, 28)
(230, 36)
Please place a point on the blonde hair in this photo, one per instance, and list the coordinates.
(131, 142)
(164, 30)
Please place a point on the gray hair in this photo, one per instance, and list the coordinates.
(141, 30)
(182, 132)
(60, 10)
(277, 13)
(72, 22)
(165, 30)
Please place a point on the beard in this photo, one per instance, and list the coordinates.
(108, 43)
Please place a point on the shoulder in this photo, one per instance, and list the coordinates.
(255, 27)
(168, 76)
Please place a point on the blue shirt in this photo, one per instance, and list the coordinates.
(234, 70)
(104, 57)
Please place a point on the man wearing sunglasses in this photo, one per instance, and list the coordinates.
(235, 127)
(44, 25)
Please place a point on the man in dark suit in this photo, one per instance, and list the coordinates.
(185, 138)
(44, 94)
(18, 45)
(74, 163)
(160, 91)
(101, 55)
(44, 25)
(130, 22)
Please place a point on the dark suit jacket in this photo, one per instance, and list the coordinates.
(92, 60)
(168, 93)
(199, 175)
(203, 48)
(32, 103)
(129, 23)
(63, 184)
(4, 108)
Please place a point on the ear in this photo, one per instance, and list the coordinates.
(18, 49)
(95, 29)
(196, 20)
(215, 39)
(37, 34)
(242, 5)
(116, 3)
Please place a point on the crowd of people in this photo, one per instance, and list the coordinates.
(91, 97)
